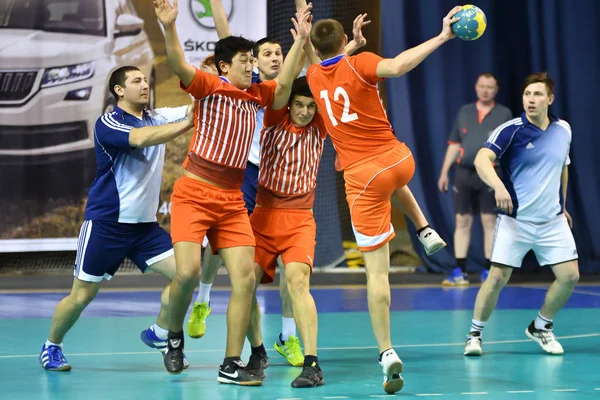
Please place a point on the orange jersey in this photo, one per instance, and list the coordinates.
(289, 162)
(346, 93)
(224, 124)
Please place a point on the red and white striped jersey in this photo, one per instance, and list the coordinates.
(289, 162)
(225, 120)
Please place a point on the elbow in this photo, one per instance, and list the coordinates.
(480, 161)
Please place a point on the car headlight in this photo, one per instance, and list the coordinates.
(70, 73)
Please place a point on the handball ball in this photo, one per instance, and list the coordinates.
(472, 23)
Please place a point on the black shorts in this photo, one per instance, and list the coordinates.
(471, 195)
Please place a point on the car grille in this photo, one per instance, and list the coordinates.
(40, 136)
(16, 85)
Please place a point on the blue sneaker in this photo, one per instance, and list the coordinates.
(150, 339)
(456, 278)
(53, 359)
(484, 275)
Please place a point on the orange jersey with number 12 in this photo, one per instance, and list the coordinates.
(346, 93)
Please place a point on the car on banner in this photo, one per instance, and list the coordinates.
(56, 57)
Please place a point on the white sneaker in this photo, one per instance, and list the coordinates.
(545, 338)
(431, 241)
(392, 368)
(473, 346)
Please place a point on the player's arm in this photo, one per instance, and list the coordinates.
(358, 39)
(286, 77)
(484, 164)
(167, 14)
(153, 135)
(409, 59)
(452, 153)
(564, 182)
(220, 18)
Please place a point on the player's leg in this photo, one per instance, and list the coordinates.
(100, 253)
(555, 247)
(305, 313)
(487, 208)
(431, 241)
(511, 243)
(211, 263)
(259, 360)
(287, 343)
(463, 209)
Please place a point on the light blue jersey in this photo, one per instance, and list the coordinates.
(532, 161)
(127, 184)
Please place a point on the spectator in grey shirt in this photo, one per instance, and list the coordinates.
(473, 125)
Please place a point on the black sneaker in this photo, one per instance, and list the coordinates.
(257, 365)
(174, 357)
(309, 377)
(236, 374)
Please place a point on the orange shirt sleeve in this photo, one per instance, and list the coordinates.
(202, 85)
(320, 125)
(267, 91)
(274, 117)
(365, 64)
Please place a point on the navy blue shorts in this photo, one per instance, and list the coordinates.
(103, 245)
(250, 186)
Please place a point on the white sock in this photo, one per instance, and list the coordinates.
(541, 322)
(288, 328)
(49, 343)
(161, 333)
(204, 293)
(477, 326)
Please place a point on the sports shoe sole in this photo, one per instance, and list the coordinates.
(394, 385)
(232, 382)
(473, 352)
(435, 248)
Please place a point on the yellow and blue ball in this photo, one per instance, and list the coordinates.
(472, 23)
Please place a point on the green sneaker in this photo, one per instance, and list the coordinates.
(197, 323)
(291, 350)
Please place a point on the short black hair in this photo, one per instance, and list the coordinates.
(489, 75)
(300, 88)
(256, 49)
(118, 77)
(228, 47)
(539, 77)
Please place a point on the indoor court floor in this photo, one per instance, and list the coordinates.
(429, 327)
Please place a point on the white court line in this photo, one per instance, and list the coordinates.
(597, 389)
(428, 394)
(520, 391)
(474, 393)
(578, 291)
(405, 346)
(564, 390)
(336, 397)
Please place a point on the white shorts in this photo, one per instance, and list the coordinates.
(205, 242)
(552, 242)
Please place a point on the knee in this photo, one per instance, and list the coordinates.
(297, 283)
(497, 279)
(378, 288)
(244, 279)
(82, 298)
(488, 222)
(570, 278)
(188, 274)
(464, 221)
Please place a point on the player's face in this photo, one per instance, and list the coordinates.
(136, 89)
(486, 89)
(269, 60)
(536, 100)
(302, 110)
(239, 72)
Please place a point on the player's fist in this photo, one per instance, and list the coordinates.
(503, 200)
(443, 183)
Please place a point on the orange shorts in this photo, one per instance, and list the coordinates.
(199, 209)
(290, 233)
(369, 185)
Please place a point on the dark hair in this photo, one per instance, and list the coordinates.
(539, 77)
(327, 36)
(228, 47)
(118, 77)
(489, 75)
(256, 49)
(300, 88)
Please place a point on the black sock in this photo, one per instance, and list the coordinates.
(462, 263)
(311, 361)
(259, 349)
(227, 361)
(488, 263)
(422, 229)
(381, 354)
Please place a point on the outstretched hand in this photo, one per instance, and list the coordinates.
(359, 23)
(165, 12)
(302, 23)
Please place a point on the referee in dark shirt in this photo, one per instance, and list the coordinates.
(473, 125)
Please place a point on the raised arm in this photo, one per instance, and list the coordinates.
(220, 18)
(358, 40)
(167, 14)
(409, 59)
(294, 57)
